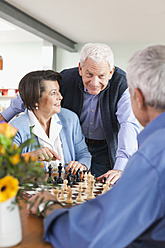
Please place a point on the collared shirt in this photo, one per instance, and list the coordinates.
(53, 141)
(131, 214)
(91, 122)
(92, 126)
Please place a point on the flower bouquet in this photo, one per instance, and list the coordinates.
(16, 171)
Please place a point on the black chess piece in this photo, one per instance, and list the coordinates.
(49, 180)
(59, 179)
(84, 174)
(75, 179)
(69, 177)
(78, 175)
(55, 181)
(104, 180)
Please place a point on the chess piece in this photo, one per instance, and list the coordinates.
(79, 198)
(59, 179)
(75, 179)
(65, 185)
(62, 197)
(104, 180)
(55, 192)
(49, 180)
(55, 181)
(78, 175)
(69, 177)
(85, 183)
(91, 194)
(105, 188)
(69, 199)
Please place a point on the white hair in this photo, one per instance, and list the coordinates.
(97, 52)
(146, 71)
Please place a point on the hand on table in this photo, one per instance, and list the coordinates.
(45, 154)
(111, 175)
(75, 165)
(37, 199)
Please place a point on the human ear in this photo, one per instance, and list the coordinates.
(111, 73)
(139, 97)
(80, 69)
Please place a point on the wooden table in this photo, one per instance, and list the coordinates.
(32, 230)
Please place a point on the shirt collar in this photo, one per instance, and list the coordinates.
(152, 127)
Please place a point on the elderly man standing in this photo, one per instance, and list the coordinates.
(132, 213)
(97, 92)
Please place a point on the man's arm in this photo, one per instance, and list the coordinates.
(16, 106)
(129, 129)
(127, 138)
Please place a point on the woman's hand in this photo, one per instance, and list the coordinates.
(75, 165)
(44, 154)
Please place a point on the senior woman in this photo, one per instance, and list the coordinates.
(56, 130)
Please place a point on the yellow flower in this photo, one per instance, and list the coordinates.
(2, 150)
(15, 159)
(8, 188)
(7, 129)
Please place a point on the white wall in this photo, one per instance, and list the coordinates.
(19, 59)
(122, 53)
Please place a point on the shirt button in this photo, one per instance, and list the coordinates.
(90, 133)
(92, 110)
(90, 123)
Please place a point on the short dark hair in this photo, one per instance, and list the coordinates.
(31, 86)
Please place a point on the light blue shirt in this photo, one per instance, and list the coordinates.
(131, 214)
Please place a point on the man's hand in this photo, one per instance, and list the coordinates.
(75, 165)
(111, 175)
(43, 197)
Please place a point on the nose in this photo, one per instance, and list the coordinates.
(60, 97)
(95, 81)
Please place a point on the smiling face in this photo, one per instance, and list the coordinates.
(95, 76)
(50, 102)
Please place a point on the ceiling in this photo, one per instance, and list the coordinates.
(128, 21)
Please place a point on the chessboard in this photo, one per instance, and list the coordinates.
(70, 190)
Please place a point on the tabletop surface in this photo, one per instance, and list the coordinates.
(32, 230)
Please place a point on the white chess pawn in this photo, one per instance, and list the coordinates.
(69, 199)
(91, 194)
(62, 197)
(55, 192)
(65, 185)
(79, 197)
